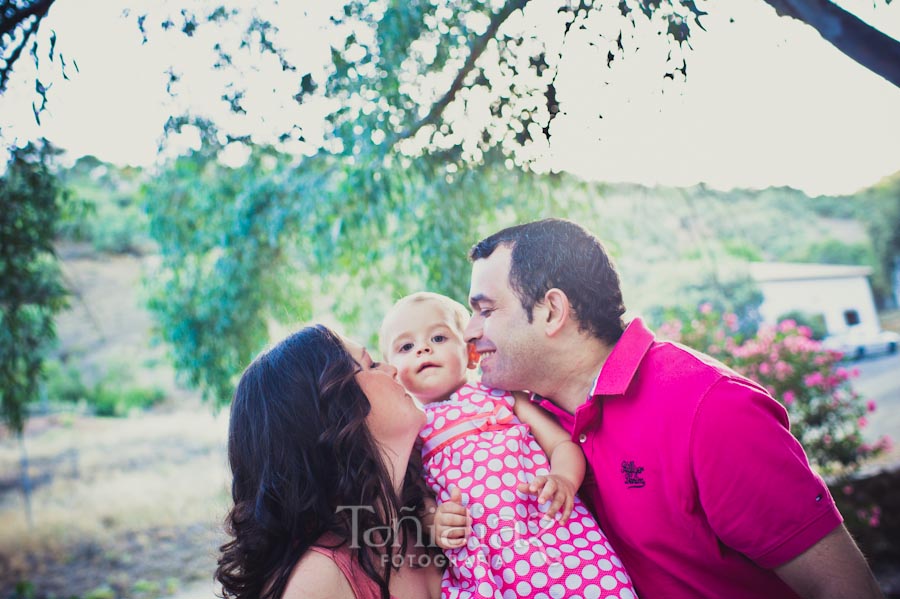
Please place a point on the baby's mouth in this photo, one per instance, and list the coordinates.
(426, 365)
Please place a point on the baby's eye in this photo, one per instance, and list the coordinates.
(406, 347)
(439, 338)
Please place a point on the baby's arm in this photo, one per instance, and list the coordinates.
(449, 523)
(567, 462)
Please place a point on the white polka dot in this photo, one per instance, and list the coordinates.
(480, 456)
(508, 555)
(542, 596)
(453, 414)
(539, 580)
(557, 591)
(498, 450)
(571, 561)
(523, 589)
(600, 550)
(537, 559)
(439, 422)
(476, 510)
(522, 567)
(507, 533)
(590, 572)
(580, 543)
(509, 479)
(485, 590)
(464, 483)
(623, 578)
(480, 571)
(575, 528)
(586, 554)
(527, 463)
(510, 594)
(555, 570)
(467, 466)
(512, 445)
(493, 483)
(594, 537)
(592, 592)
(495, 465)
(608, 582)
(615, 558)
(605, 565)
(540, 458)
(479, 530)
(566, 548)
(521, 546)
(563, 534)
(573, 581)
(549, 539)
(476, 491)
(626, 594)
(521, 510)
(507, 496)
(480, 472)
(491, 501)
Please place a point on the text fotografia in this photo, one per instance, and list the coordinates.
(515, 534)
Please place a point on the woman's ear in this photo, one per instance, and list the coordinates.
(473, 355)
(558, 310)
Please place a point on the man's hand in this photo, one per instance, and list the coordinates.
(553, 487)
(452, 522)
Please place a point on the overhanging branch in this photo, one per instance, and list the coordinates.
(868, 46)
(476, 50)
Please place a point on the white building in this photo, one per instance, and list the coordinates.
(841, 294)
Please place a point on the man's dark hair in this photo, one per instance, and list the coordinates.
(558, 253)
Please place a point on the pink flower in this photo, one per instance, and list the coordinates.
(862, 422)
(789, 397)
(811, 380)
(731, 321)
(787, 325)
(764, 368)
(874, 521)
(848, 490)
(705, 308)
(870, 405)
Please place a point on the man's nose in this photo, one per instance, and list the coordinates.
(472, 332)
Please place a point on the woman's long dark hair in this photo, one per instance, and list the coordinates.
(299, 448)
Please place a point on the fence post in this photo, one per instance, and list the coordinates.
(26, 482)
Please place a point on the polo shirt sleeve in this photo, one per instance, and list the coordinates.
(754, 483)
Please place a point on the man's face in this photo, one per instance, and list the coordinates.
(507, 343)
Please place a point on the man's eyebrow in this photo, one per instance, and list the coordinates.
(477, 299)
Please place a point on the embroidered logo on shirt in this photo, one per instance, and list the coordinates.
(633, 479)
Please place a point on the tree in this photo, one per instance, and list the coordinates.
(31, 289)
(469, 29)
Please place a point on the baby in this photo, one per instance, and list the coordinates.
(522, 532)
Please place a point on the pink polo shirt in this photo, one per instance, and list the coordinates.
(694, 474)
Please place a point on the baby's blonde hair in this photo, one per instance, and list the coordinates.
(458, 313)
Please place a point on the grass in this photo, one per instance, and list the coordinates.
(143, 502)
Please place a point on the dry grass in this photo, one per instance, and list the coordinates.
(140, 483)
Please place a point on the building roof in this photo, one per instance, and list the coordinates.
(795, 271)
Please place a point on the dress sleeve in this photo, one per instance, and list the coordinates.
(753, 479)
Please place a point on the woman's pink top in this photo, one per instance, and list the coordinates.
(363, 587)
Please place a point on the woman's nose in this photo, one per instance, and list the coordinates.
(390, 369)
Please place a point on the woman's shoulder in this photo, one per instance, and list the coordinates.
(318, 576)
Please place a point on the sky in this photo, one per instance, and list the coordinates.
(767, 102)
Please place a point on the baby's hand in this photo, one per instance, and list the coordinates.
(555, 487)
(452, 522)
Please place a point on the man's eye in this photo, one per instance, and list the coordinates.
(486, 312)
(439, 338)
(406, 347)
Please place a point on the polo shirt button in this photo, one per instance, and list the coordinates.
(582, 438)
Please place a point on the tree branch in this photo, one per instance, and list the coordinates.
(476, 50)
(851, 35)
(38, 8)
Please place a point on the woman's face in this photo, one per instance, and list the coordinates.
(394, 416)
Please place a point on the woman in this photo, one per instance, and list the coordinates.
(319, 443)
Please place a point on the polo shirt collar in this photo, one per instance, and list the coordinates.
(622, 364)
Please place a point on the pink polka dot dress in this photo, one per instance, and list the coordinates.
(474, 441)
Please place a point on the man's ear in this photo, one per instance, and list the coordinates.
(558, 311)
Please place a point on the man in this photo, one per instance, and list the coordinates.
(695, 476)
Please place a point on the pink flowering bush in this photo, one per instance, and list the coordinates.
(826, 414)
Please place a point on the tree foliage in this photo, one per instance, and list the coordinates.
(31, 289)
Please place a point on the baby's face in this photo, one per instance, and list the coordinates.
(428, 350)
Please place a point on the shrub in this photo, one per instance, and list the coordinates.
(826, 414)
